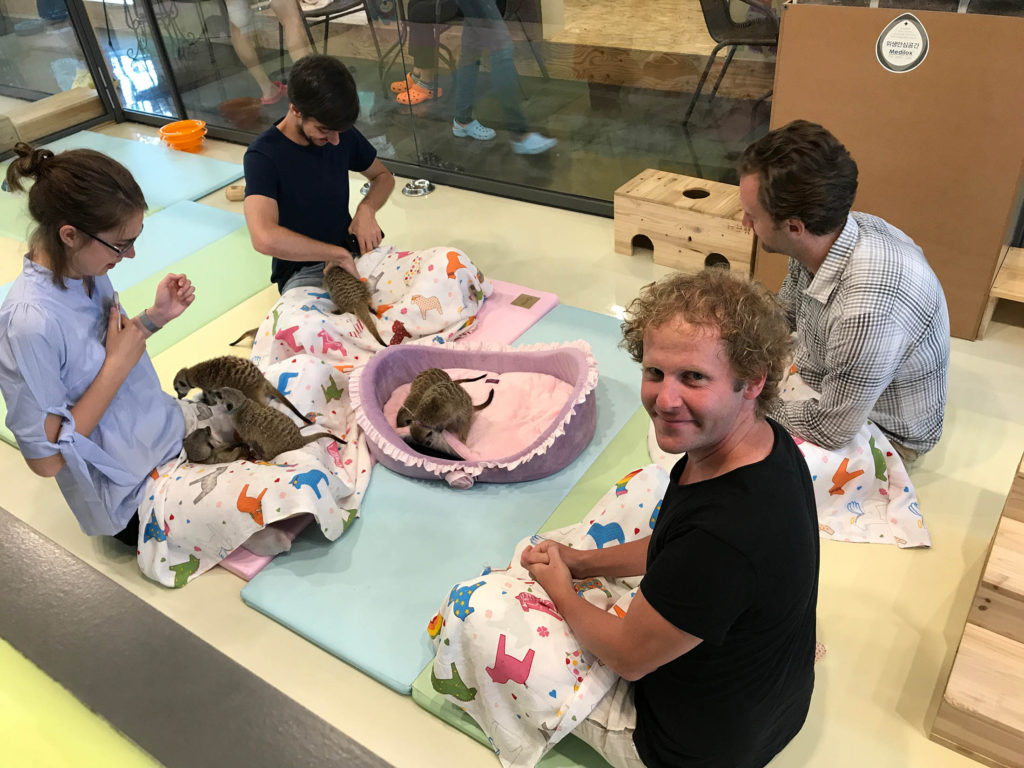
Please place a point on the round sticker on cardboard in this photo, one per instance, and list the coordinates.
(903, 44)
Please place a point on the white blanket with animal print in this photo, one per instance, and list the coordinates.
(863, 490)
(506, 657)
(194, 515)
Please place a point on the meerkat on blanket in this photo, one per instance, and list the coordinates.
(194, 515)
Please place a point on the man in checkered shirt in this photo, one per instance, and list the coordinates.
(869, 314)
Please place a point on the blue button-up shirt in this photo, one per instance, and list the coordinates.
(52, 344)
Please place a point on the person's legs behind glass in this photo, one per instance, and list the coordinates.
(484, 29)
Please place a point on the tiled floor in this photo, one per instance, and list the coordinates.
(890, 618)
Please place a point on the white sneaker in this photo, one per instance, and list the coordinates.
(533, 144)
(473, 131)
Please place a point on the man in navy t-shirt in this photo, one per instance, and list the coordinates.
(296, 178)
(716, 650)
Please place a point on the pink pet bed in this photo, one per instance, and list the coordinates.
(541, 418)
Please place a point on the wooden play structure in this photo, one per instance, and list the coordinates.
(685, 218)
(982, 708)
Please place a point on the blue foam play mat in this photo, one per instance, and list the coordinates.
(366, 597)
(166, 176)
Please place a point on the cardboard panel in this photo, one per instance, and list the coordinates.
(940, 148)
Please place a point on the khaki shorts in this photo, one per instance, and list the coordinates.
(609, 728)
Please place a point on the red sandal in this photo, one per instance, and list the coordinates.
(280, 90)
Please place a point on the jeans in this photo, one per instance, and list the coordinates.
(484, 30)
(312, 275)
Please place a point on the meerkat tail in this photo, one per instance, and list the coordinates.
(276, 394)
(485, 403)
(466, 381)
(307, 439)
(251, 333)
(367, 317)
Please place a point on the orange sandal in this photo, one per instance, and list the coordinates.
(401, 86)
(417, 94)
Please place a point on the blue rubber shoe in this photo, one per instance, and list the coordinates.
(533, 144)
(473, 130)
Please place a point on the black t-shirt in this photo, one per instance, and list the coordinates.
(309, 183)
(734, 561)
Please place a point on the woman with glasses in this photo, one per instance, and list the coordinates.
(83, 399)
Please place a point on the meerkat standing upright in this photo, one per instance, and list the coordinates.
(351, 296)
(231, 371)
(266, 431)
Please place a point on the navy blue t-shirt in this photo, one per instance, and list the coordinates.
(734, 561)
(309, 183)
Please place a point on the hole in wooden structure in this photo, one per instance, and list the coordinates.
(642, 245)
(696, 193)
(716, 260)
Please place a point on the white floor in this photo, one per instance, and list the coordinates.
(890, 618)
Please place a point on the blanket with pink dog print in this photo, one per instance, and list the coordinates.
(194, 515)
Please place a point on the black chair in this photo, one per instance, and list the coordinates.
(512, 12)
(334, 10)
(762, 29)
(509, 10)
(445, 57)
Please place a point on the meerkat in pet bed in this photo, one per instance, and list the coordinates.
(542, 416)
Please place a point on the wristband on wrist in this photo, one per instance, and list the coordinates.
(147, 322)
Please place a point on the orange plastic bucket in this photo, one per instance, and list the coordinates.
(184, 135)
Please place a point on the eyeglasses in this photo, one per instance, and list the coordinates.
(119, 251)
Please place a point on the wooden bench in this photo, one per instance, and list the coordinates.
(982, 709)
(686, 219)
(1008, 284)
(36, 119)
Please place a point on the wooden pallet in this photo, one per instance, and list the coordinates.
(982, 709)
(1008, 284)
(685, 218)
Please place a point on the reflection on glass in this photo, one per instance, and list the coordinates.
(571, 96)
(39, 53)
(131, 54)
(610, 80)
(45, 85)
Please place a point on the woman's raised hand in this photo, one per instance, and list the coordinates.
(174, 294)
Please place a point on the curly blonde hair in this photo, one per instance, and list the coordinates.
(750, 320)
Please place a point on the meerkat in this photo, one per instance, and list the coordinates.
(351, 296)
(445, 406)
(266, 431)
(423, 381)
(235, 372)
(201, 448)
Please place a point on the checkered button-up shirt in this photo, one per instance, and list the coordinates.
(872, 338)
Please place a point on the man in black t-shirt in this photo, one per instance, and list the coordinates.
(296, 178)
(719, 638)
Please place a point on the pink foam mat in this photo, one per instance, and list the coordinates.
(245, 564)
(509, 311)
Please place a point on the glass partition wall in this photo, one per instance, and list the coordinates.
(558, 101)
(46, 84)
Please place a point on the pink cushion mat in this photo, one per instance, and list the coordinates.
(245, 564)
(507, 313)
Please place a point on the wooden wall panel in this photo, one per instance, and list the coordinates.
(940, 148)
